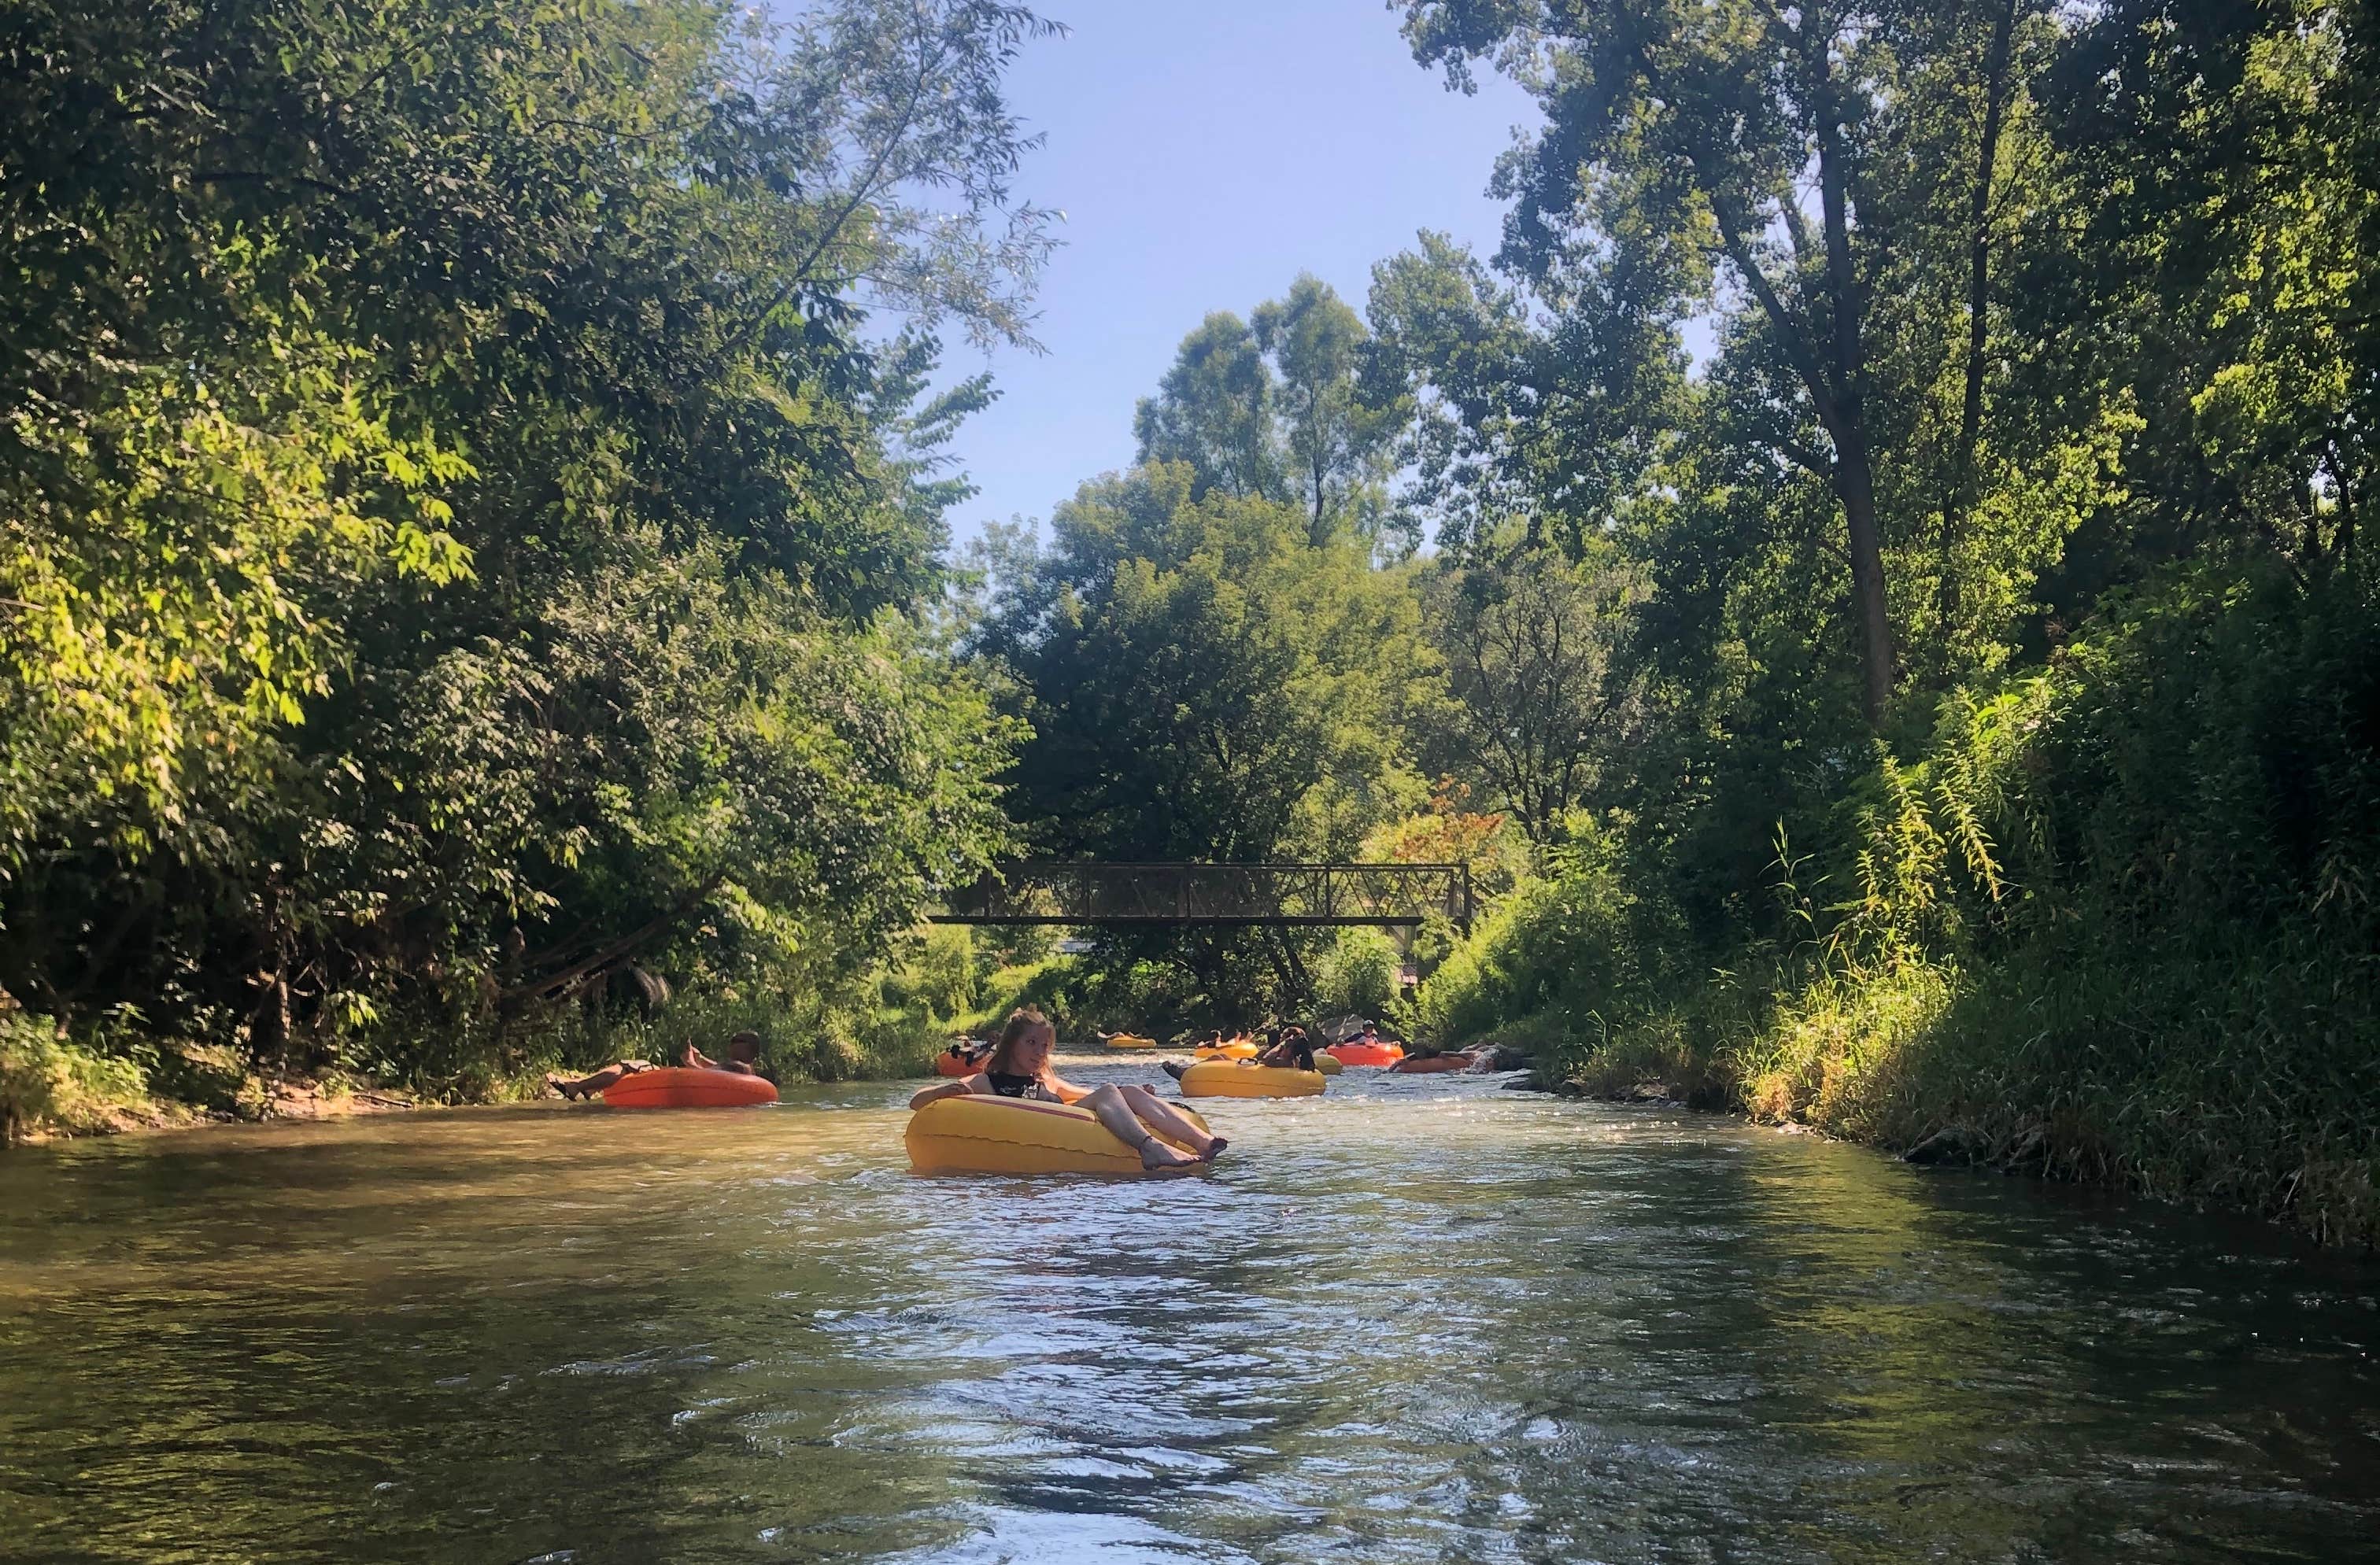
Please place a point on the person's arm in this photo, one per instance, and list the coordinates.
(1067, 1091)
(958, 1087)
(696, 1060)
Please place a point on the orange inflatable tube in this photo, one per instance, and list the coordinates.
(1366, 1053)
(672, 1087)
(949, 1064)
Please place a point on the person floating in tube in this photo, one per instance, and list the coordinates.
(1019, 1067)
(1287, 1048)
(743, 1059)
(970, 1052)
(1290, 1049)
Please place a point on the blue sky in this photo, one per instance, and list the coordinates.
(1205, 152)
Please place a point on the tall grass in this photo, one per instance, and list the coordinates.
(48, 1084)
(2111, 922)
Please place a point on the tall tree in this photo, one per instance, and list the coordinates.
(445, 465)
(1286, 407)
(1203, 683)
(1677, 136)
(1537, 417)
(1536, 653)
(2208, 266)
(1214, 412)
(1337, 440)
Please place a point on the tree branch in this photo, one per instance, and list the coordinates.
(604, 956)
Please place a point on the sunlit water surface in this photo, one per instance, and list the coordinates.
(1419, 1318)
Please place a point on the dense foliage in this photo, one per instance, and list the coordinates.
(1942, 707)
(461, 539)
(1868, 573)
(1204, 681)
(2044, 368)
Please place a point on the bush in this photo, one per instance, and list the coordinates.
(938, 975)
(1563, 949)
(1358, 974)
(49, 1085)
(2111, 921)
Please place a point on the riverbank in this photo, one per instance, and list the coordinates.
(2111, 923)
(53, 1089)
(53, 1086)
(2247, 1080)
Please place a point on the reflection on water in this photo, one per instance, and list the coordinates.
(1417, 1318)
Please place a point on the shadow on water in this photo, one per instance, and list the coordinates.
(1417, 1318)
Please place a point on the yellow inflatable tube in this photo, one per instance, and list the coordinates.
(981, 1135)
(1129, 1040)
(1234, 1078)
(1328, 1064)
(1238, 1048)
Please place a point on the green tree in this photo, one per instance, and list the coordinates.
(1203, 683)
(2223, 295)
(1286, 407)
(1336, 440)
(448, 471)
(1685, 144)
(1214, 412)
(1534, 420)
(1536, 653)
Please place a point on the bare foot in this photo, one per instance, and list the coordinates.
(1215, 1144)
(554, 1082)
(1156, 1155)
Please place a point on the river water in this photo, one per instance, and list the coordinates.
(1419, 1318)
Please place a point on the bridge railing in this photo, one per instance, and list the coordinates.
(1071, 892)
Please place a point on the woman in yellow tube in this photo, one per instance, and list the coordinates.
(1019, 1067)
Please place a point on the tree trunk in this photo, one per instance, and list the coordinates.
(1854, 475)
(1979, 220)
(1288, 968)
(1856, 485)
(2343, 539)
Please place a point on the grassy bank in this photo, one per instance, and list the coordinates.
(99, 1080)
(2110, 923)
(2249, 1080)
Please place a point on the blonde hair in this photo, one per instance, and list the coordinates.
(1021, 1022)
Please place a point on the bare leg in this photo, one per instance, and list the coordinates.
(1167, 1120)
(1110, 1108)
(594, 1081)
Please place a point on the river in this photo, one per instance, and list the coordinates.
(1417, 1319)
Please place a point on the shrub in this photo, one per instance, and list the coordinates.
(1358, 974)
(48, 1084)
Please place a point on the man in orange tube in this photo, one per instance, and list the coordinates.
(743, 1059)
